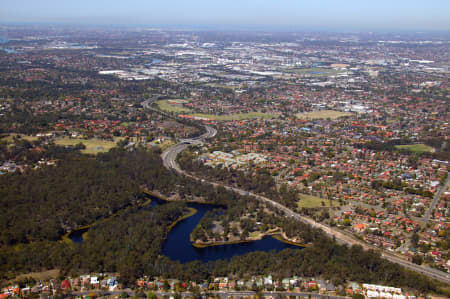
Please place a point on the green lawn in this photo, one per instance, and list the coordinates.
(309, 201)
(93, 146)
(416, 148)
(10, 138)
(178, 108)
(233, 87)
(239, 116)
(44, 275)
(169, 107)
(126, 124)
(165, 144)
(323, 114)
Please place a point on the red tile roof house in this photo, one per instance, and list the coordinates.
(65, 284)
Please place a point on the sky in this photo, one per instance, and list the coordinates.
(362, 15)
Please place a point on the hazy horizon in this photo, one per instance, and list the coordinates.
(325, 15)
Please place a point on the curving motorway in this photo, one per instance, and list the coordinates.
(169, 161)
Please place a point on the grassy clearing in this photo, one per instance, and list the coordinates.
(10, 138)
(309, 201)
(323, 114)
(239, 116)
(233, 87)
(254, 235)
(44, 275)
(165, 144)
(416, 148)
(281, 238)
(93, 146)
(175, 106)
(126, 124)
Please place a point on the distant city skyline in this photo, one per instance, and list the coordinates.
(287, 14)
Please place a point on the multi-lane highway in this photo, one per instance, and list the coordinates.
(169, 161)
(169, 156)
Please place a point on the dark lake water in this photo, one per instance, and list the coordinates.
(178, 246)
(77, 235)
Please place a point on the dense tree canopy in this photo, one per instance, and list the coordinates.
(40, 205)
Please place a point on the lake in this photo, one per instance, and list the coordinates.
(178, 246)
(77, 235)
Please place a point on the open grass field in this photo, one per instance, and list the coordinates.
(165, 144)
(309, 201)
(93, 146)
(416, 148)
(126, 124)
(323, 114)
(254, 234)
(166, 105)
(233, 87)
(315, 72)
(44, 275)
(239, 116)
(10, 138)
(178, 108)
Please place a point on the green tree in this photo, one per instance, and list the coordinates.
(151, 295)
(417, 259)
(347, 222)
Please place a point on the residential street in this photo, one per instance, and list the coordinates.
(436, 198)
(222, 294)
(169, 161)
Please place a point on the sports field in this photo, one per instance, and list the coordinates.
(10, 138)
(323, 114)
(239, 116)
(416, 148)
(233, 87)
(309, 201)
(175, 106)
(126, 124)
(93, 146)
